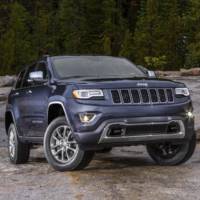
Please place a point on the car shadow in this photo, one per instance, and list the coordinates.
(38, 160)
(108, 162)
(119, 162)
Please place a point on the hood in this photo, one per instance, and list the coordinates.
(123, 83)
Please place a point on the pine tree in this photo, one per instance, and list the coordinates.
(41, 38)
(150, 32)
(109, 25)
(147, 32)
(93, 27)
(173, 42)
(120, 28)
(193, 36)
(160, 34)
(71, 27)
(127, 49)
(131, 9)
(15, 43)
(114, 26)
(4, 16)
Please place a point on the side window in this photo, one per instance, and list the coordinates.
(26, 82)
(42, 67)
(19, 80)
(39, 68)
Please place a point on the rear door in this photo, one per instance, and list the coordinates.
(16, 99)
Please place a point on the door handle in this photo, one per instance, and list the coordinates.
(29, 92)
(15, 94)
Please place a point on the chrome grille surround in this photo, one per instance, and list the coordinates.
(142, 96)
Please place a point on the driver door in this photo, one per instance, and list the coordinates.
(36, 101)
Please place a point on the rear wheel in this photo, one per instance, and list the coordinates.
(170, 153)
(18, 151)
(61, 149)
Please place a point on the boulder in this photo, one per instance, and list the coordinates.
(3, 97)
(7, 81)
(4, 91)
(167, 73)
(160, 73)
(190, 72)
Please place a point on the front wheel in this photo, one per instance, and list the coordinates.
(172, 154)
(61, 149)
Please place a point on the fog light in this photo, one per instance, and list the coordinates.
(87, 117)
(190, 114)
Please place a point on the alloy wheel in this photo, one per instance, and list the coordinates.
(63, 146)
(168, 150)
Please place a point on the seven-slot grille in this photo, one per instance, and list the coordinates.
(142, 96)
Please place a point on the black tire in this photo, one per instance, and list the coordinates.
(81, 158)
(184, 152)
(191, 150)
(20, 153)
(105, 150)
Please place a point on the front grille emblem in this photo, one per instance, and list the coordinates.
(142, 84)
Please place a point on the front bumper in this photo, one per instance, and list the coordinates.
(98, 139)
(94, 135)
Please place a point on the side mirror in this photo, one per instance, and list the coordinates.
(37, 76)
(151, 74)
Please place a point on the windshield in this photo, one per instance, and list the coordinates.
(94, 66)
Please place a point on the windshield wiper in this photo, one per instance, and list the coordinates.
(115, 77)
(77, 76)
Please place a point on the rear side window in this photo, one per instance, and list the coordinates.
(19, 80)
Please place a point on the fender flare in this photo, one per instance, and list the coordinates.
(64, 109)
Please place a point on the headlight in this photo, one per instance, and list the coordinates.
(182, 91)
(87, 94)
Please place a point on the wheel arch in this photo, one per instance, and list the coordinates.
(9, 118)
(56, 109)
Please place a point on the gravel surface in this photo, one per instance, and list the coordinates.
(125, 173)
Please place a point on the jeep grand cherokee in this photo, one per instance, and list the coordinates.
(78, 105)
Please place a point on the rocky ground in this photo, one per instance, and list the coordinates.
(125, 173)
